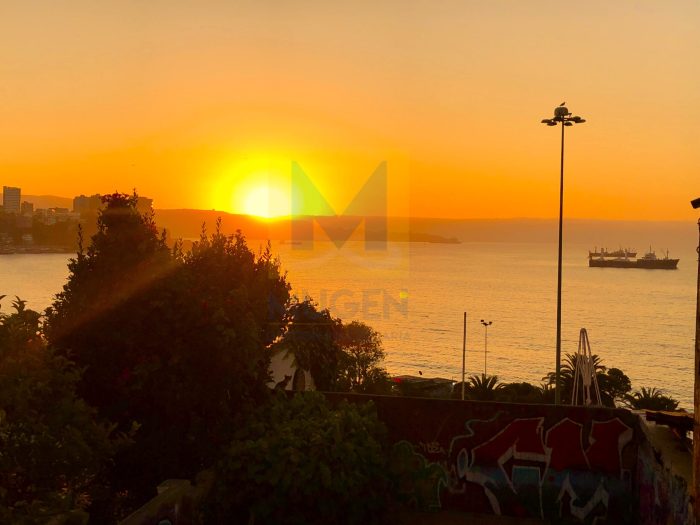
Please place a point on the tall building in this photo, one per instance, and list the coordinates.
(11, 199)
(83, 204)
(27, 208)
(144, 205)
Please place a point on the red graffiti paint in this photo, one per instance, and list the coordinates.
(521, 438)
(565, 439)
(607, 439)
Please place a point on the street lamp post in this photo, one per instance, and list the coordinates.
(696, 391)
(561, 115)
(464, 352)
(486, 340)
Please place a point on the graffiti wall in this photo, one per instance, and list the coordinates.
(561, 464)
(664, 494)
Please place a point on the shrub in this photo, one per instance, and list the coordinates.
(303, 462)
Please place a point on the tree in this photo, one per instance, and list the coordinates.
(52, 450)
(480, 388)
(93, 319)
(362, 353)
(520, 393)
(176, 343)
(650, 399)
(303, 462)
(312, 337)
(613, 383)
(614, 386)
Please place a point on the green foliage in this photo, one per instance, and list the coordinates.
(613, 383)
(650, 399)
(361, 356)
(415, 481)
(93, 320)
(479, 388)
(340, 357)
(302, 462)
(614, 386)
(176, 343)
(520, 393)
(311, 336)
(51, 447)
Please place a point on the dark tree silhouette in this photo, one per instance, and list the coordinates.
(360, 362)
(613, 383)
(176, 343)
(479, 388)
(650, 399)
(520, 393)
(312, 337)
(52, 450)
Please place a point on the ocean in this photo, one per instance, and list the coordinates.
(414, 294)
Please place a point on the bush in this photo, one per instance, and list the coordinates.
(303, 462)
(52, 450)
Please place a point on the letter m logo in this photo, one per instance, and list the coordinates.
(369, 205)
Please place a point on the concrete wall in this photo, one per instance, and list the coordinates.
(664, 477)
(559, 464)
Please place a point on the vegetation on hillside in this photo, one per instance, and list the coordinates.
(53, 449)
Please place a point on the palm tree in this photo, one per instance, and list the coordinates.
(483, 387)
(650, 399)
(613, 383)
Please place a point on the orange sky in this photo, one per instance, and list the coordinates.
(203, 104)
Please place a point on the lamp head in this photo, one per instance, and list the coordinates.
(561, 111)
(695, 203)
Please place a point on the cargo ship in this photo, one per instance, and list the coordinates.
(648, 262)
(617, 253)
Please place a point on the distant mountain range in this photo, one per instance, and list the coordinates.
(612, 234)
(187, 224)
(48, 201)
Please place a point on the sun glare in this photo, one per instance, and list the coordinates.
(265, 201)
(253, 184)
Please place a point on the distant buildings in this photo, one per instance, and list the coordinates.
(11, 198)
(144, 205)
(83, 204)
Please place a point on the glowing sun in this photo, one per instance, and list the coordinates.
(265, 201)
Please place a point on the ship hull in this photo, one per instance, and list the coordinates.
(658, 264)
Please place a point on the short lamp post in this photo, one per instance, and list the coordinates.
(561, 115)
(486, 341)
(696, 391)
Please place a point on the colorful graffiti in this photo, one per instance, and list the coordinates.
(563, 465)
(524, 470)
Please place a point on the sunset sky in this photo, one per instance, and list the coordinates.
(207, 104)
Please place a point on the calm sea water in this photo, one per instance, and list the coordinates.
(414, 294)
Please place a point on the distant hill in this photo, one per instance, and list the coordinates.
(48, 201)
(612, 234)
(187, 224)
